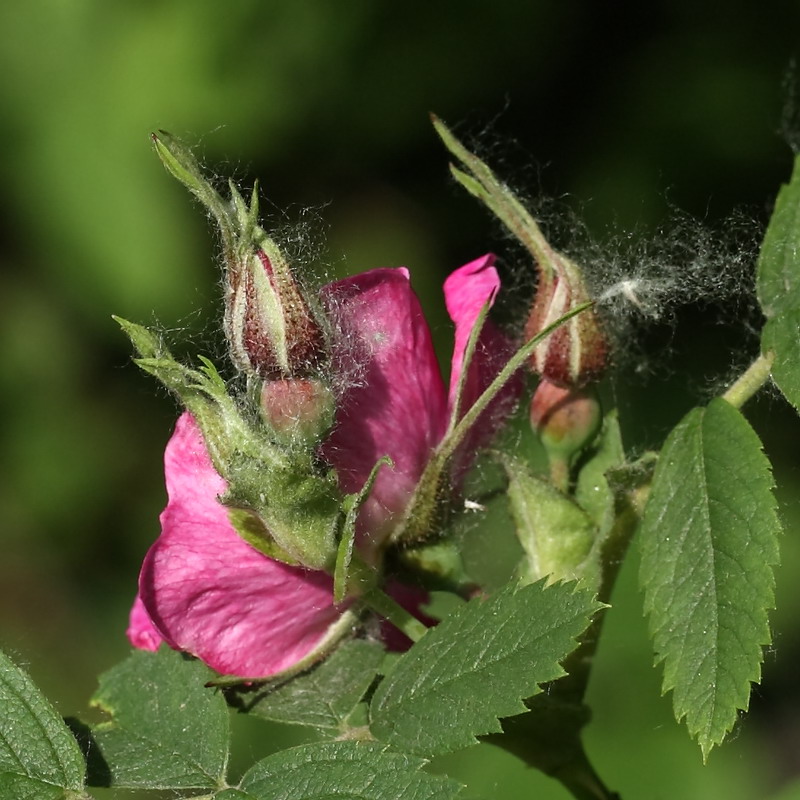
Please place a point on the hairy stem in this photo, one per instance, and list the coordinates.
(750, 381)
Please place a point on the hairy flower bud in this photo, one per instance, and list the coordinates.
(270, 325)
(270, 328)
(577, 352)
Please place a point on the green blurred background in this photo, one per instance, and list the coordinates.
(621, 111)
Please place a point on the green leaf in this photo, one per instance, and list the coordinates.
(325, 697)
(39, 757)
(232, 794)
(778, 286)
(346, 770)
(709, 540)
(778, 276)
(555, 533)
(167, 731)
(477, 665)
(780, 335)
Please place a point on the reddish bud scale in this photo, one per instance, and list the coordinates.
(575, 353)
(297, 408)
(270, 327)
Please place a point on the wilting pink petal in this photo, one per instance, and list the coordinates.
(141, 631)
(394, 402)
(211, 594)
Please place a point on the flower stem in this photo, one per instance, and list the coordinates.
(559, 472)
(750, 381)
(380, 602)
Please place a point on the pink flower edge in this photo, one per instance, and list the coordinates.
(209, 593)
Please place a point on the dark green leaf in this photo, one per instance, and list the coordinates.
(778, 281)
(709, 540)
(39, 757)
(779, 288)
(346, 770)
(325, 696)
(781, 335)
(477, 665)
(167, 731)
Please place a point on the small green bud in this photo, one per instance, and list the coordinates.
(566, 420)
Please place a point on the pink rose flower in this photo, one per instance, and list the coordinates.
(204, 590)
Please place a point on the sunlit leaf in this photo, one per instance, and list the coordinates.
(39, 757)
(167, 731)
(709, 542)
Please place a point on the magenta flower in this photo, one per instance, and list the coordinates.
(204, 590)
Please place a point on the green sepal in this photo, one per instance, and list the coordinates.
(297, 505)
(237, 221)
(181, 164)
(481, 182)
(593, 492)
(438, 566)
(346, 580)
(202, 392)
(253, 530)
(555, 533)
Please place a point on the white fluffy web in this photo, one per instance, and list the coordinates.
(641, 279)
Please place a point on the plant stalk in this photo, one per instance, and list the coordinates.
(750, 381)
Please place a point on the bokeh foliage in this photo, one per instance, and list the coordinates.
(627, 111)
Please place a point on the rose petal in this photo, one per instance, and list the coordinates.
(394, 399)
(466, 292)
(141, 632)
(210, 593)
